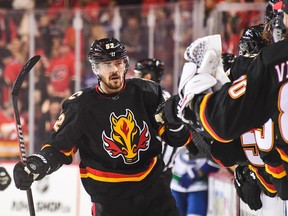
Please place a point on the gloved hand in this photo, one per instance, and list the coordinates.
(206, 54)
(247, 187)
(192, 83)
(22, 179)
(166, 113)
(5, 179)
(189, 178)
(36, 168)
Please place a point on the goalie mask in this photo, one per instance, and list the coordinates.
(107, 49)
(270, 9)
(251, 41)
(155, 67)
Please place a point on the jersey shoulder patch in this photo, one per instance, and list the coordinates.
(75, 95)
(80, 97)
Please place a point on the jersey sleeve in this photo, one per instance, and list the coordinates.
(249, 101)
(66, 131)
(175, 138)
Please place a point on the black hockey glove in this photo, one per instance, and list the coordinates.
(5, 179)
(22, 179)
(36, 169)
(247, 187)
(166, 113)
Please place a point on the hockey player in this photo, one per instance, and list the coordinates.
(265, 164)
(112, 126)
(151, 69)
(249, 183)
(189, 183)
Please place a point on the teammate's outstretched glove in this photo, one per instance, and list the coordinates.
(206, 54)
(189, 178)
(192, 83)
(35, 169)
(5, 179)
(247, 187)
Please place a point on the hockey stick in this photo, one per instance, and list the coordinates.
(200, 143)
(15, 92)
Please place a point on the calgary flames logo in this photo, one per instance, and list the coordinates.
(126, 138)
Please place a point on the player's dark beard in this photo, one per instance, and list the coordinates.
(103, 84)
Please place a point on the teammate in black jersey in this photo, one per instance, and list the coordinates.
(113, 127)
(154, 69)
(245, 104)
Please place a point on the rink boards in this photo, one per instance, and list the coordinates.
(62, 194)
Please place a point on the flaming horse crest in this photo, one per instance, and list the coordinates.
(126, 138)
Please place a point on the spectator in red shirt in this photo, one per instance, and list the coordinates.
(11, 69)
(61, 72)
(8, 134)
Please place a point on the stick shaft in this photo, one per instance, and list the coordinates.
(15, 92)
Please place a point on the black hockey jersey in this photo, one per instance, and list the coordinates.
(255, 101)
(117, 137)
(249, 101)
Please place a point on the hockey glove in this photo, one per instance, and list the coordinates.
(247, 187)
(189, 178)
(5, 179)
(22, 179)
(206, 54)
(166, 113)
(191, 85)
(36, 169)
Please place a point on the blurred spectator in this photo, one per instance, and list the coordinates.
(11, 69)
(8, 29)
(18, 49)
(46, 33)
(9, 147)
(167, 82)
(61, 72)
(41, 82)
(23, 4)
(164, 37)
(7, 4)
(51, 109)
(132, 38)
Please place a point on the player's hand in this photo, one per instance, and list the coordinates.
(188, 178)
(22, 179)
(5, 179)
(36, 168)
(37, 165)
(247, 187)
(166, 113)
(206, 54)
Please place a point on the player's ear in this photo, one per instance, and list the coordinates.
(95, 69)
